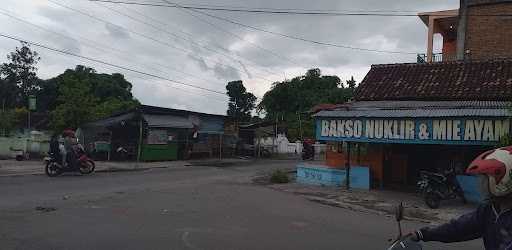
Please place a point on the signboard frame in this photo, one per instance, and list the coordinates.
(442, 130)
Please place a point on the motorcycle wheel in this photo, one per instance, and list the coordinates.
(432, 200)
(87, 167)
(52, 170)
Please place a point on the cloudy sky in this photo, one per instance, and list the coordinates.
(199, 50)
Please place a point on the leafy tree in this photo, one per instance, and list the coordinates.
(351, 83)
(84, 95)
(112, 106)
(7, 121)
(8, 92)
(9, 118)
(241, 103)
(291, 100)
(47, 95)
(76, 104)
(20, 79)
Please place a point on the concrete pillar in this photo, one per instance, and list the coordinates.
(430, 46)
(461, 30)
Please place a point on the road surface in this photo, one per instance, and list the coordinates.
(187, 208)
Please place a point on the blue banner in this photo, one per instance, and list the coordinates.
(416, 131)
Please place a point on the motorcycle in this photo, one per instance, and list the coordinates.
(435, 187)
(83, 164)
(403, 242)
(308, 152)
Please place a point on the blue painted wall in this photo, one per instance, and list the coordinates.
(211, 124)
(423, 131)
(322, 175)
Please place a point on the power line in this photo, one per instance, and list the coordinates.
(189, 53)
(191, 35)
(301, 38)
(17, 18)
(271, 52)
(291, 9)
(176, 36)
(99, 48)
(329, 44)
(381, 13)
(108, 64)
(181, 89)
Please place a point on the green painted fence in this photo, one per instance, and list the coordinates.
(167, 152)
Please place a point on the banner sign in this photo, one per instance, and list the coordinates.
(157, 137)
(32, 103)
(417, 131)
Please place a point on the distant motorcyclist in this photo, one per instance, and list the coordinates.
(491, 221)
(55, 147)
(69, 141)
(308, 151)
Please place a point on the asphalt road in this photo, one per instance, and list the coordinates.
(190, 208)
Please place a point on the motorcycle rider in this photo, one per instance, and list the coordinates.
(491, 221)
(308, 151)
(70, 141)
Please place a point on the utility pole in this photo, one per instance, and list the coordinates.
(300, 127)
(3, 113)
(31, 107)
(347, 167)
(139, 153)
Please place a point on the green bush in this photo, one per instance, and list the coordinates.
(279, 176)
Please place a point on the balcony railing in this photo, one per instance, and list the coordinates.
(436, 57)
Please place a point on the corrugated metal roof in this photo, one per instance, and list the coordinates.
(426, 104)
(415, 113)
(416, 109)
(110, 121)
(167, 121)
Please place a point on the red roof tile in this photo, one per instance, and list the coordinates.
(459, 80)
(322, 106)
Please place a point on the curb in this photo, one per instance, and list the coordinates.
(411, 213)
(357, 208)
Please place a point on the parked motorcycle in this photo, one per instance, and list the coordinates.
(403, 242)
(83, 164)
(435, 187)
(308, 151)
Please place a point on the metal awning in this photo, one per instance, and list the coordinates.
(110, 121)
(167, 121)
(416, 113)
(409, 109)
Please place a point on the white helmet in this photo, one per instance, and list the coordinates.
(496, 164)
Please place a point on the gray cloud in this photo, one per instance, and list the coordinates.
(247, 72)
(199, 61)
(226, 73)
(116, 31)
(399, 33)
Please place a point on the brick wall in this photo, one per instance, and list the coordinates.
(489, 36)
(449, 49)
(478, 2)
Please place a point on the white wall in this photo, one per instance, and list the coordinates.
(281, 145)
(36, 143)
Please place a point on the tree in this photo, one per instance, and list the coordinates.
(76, 105)
(8, 92)
(351, 83)
(84, 95)
(241, 103)
(7, 121)
(290, 100)
(20, 79)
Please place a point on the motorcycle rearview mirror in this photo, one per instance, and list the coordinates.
(399, 212)
(399, 216)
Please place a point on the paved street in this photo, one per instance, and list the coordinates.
(186, 208)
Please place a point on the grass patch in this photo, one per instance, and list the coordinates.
(279, 176)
